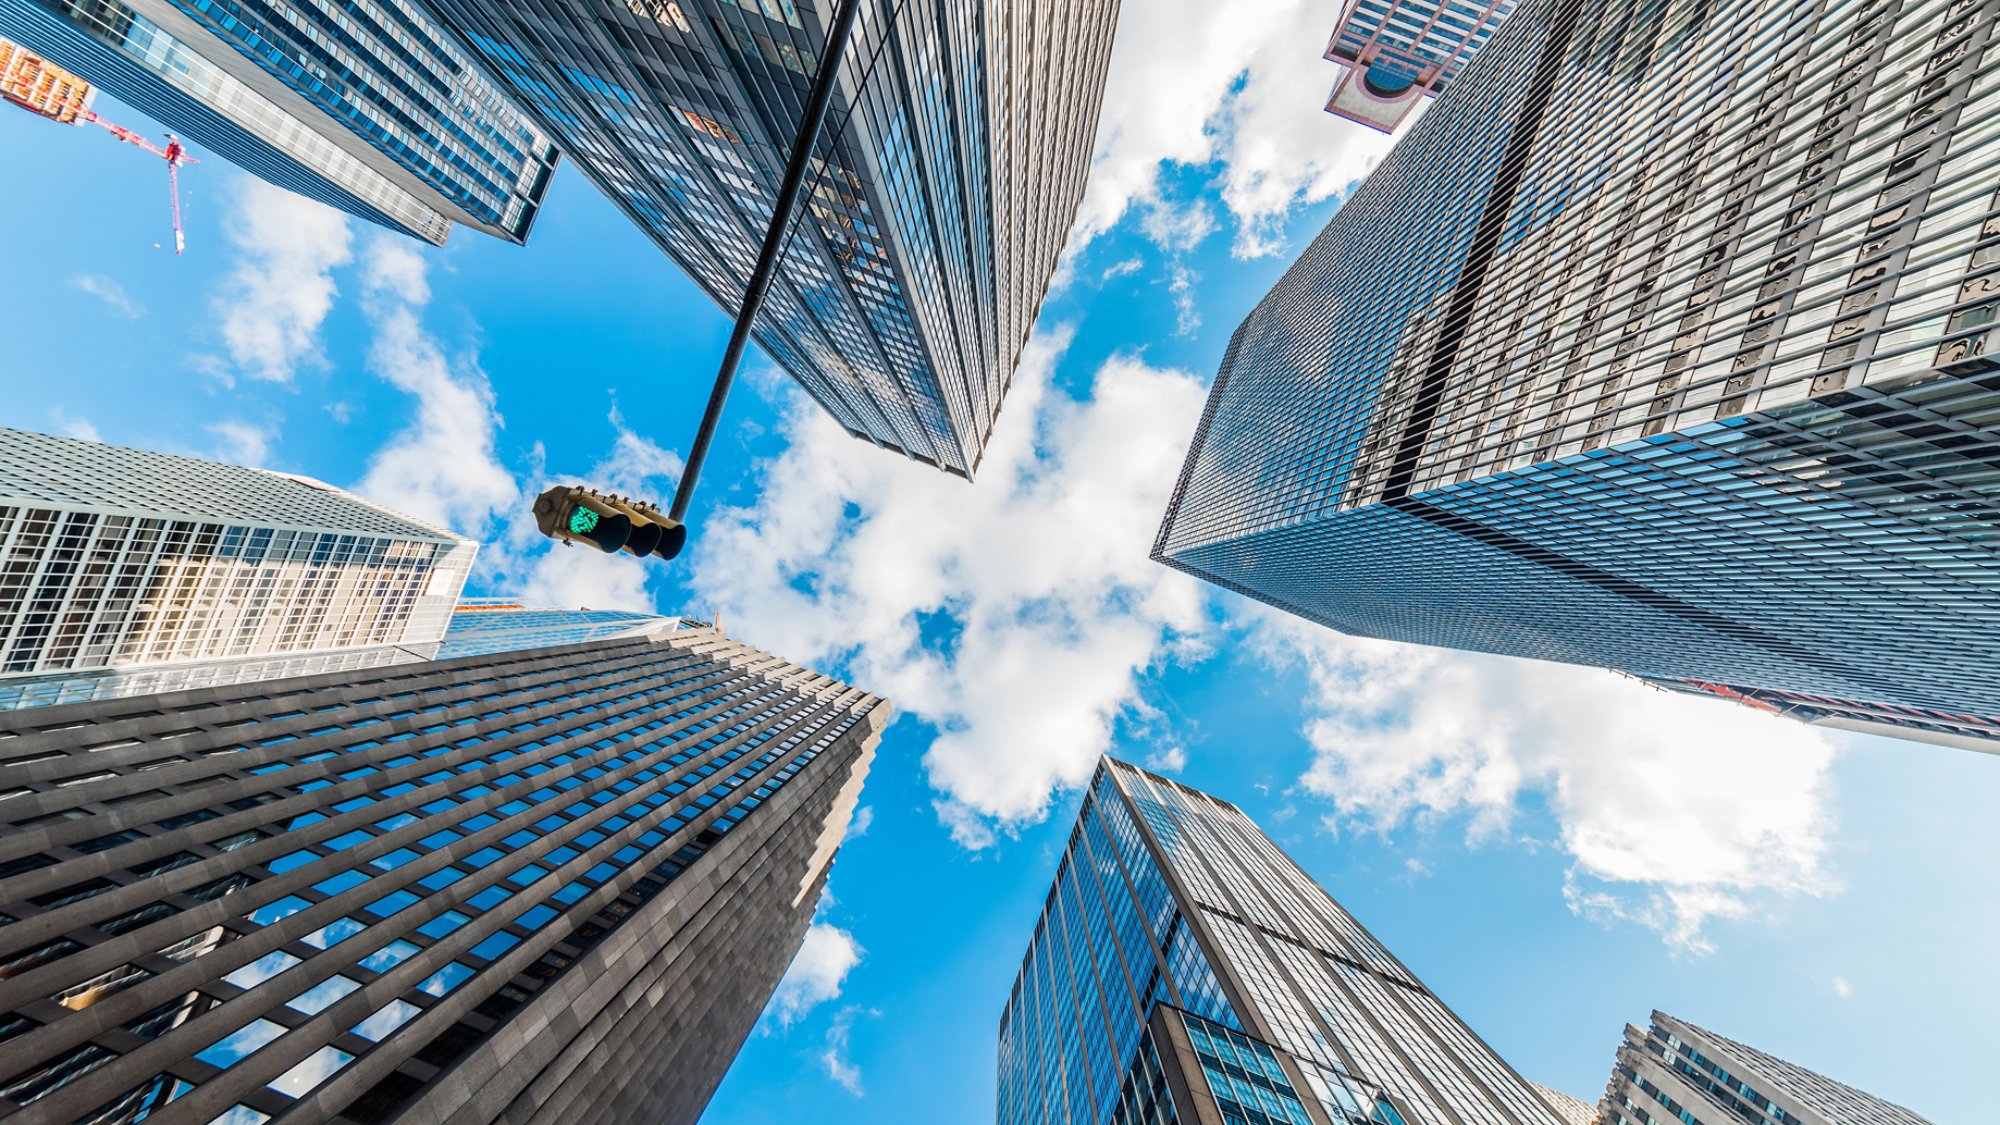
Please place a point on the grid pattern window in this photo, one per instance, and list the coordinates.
(1694, 380)
(1676, 1071)
(338, 896)
(480, 626)
(937, 202)
(1291, 1010)
(119, 559)
(367, 108)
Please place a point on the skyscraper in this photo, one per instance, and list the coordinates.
(364, 106)
(1186, 970)
(1392, 53)
(1679, 1074)
(126, 572)
(943, 185)
(552, 884)
(1691, 379)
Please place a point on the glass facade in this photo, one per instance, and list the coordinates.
(1694, 380)
(1679, 1074)
(1184, 967)
(936, 205)
(537, 885)
(480, 626)
(127, 561)
(366, 106)
(1393, 53)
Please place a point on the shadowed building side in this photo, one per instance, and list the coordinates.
(540, 884)
(1693, 380)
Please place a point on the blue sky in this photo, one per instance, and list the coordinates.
(1554, 851)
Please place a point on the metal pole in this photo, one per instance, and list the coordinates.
(767, 258)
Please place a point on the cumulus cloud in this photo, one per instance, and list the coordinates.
(1673, 811)
(72, 425)
(445, 466)
(442, 466)
(551, 574)
(1842, 989)
(1121, 269)
(1195, 83)
(816, 973)
(111, 293)
(959, 602)
(237, 442)
(272, 304)
(834, 1056)
(864, 819)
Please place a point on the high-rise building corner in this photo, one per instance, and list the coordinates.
(1675, 1072)
(1184, 969)
(553, 876)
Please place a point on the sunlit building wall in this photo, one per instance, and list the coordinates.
(544, 884)
(1694, 379)
(1678, 1074)
(938, 200)
(168, 571)
(1185, 970)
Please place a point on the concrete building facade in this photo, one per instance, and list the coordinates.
(553, 884)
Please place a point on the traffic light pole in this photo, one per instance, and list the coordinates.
(767, 258)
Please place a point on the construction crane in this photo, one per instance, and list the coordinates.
(175, 155)
(47, 90)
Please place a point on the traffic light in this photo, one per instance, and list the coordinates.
(608, 523)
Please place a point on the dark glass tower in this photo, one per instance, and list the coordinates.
(1186, 970)
(1679, 1074)
(1697, 380)
(545, 884)
(961, 132)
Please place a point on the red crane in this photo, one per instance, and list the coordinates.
(175, 155)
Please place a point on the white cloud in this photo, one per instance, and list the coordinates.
(1193, 83)
(111, 293)
(550, 573)
(864, 819)
(1841, 988)
(1674, 811)
(1121, 269)
(237, 442)
(274, 301)
(443, 466)
(1187, 318)
(834, 1057)
(816, 973)
(71, 425)
(963, 603)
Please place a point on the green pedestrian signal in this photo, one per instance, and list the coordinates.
(608, 523)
